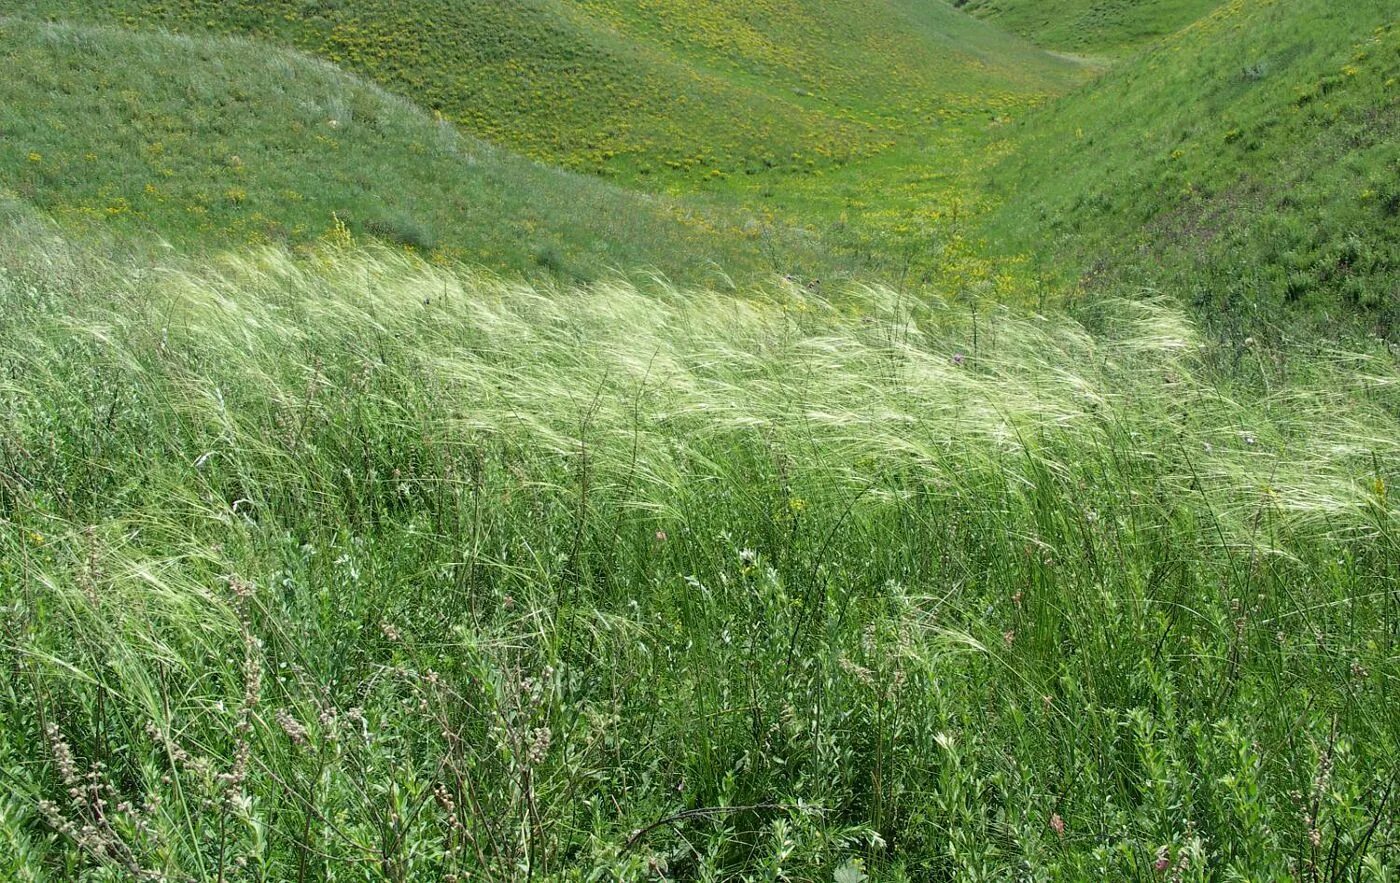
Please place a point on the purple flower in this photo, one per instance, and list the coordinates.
(959, 358)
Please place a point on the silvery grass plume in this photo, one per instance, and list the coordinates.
(852, 385)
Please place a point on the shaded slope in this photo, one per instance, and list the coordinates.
(1250, 160)
(216, 141)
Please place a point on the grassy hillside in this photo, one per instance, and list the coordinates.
(666, 93)
(1245, 163)
(1248, 164)
(356, 567)
(210, 142)
(1094, 27)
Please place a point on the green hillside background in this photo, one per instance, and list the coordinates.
(902, 140)
(1248, 164)
(218, 141)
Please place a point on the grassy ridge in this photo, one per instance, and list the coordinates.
(671, 94)
(210, 142)
(1248, 164)
(353, 563)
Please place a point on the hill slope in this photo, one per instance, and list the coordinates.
(1248, 162)
(206, 141)
(670, 93)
